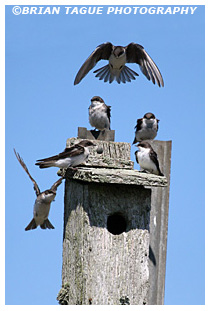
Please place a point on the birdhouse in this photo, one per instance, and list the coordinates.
(107, 227)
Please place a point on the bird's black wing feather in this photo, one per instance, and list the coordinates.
(109, 113)
(154, 158)
(103, 51)
(135, 53)
(139, 123)
(67, 152)
(136, 156)
(56, 184)
(36, 188)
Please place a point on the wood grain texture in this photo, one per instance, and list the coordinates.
(103, 268)
(99, 266)
(117, 176)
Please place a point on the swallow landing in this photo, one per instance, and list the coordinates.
(116, 69)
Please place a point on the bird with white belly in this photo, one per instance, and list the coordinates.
(116, 69)
(70, 157)
(147, 158)
(42, 203)
(99, 114)
(146, 128)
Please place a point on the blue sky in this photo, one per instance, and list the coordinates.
(44, 108)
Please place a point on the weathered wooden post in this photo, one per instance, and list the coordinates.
(159, 226)
(106, 228)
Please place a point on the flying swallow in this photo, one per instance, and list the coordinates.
(146, 128)
(99, 114)
(42, 203)
(116, 69)
(70, 157)
(147, 158)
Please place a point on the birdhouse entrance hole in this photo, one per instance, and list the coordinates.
(116, 224)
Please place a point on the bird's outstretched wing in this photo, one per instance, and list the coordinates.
(103, 51)
(135, 53)
(36, 188)
(56, 184)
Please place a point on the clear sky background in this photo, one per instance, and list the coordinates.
(44, 108)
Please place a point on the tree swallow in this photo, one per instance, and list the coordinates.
(146, 127)
(42, 203)
(70, 157)
(118, 56)
(147, 158)
(99, 114)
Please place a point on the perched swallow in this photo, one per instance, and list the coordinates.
(146, 127)
(42, 203)
(118, 56)
(99, 114)
(147, 158)
(70, 157)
